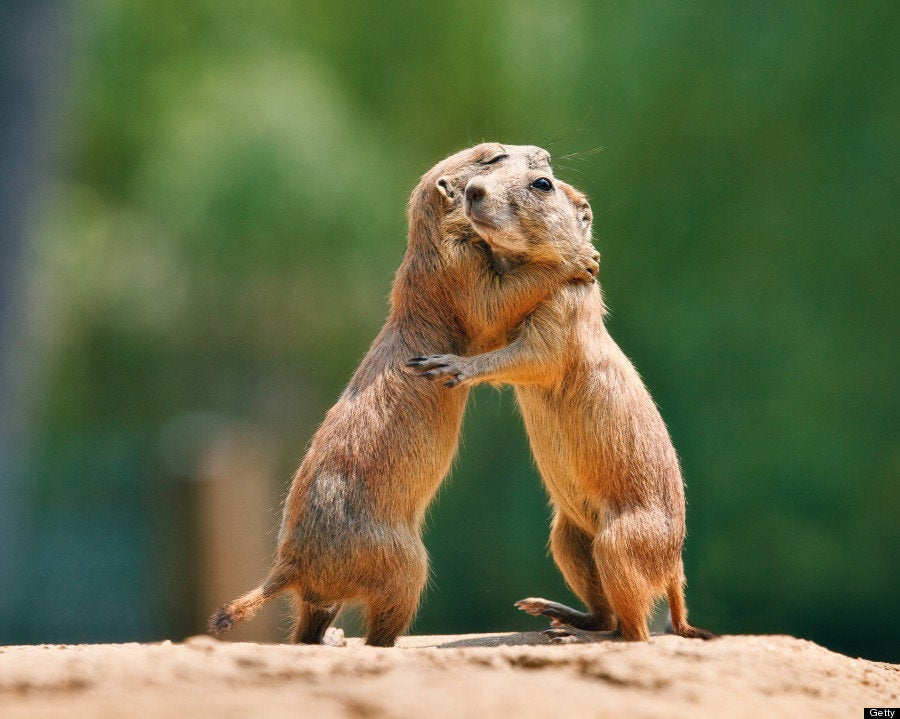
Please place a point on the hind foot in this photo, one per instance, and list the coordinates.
(560, 614)
(221, 621)
(690, 632)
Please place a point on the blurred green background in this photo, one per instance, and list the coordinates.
(211, 235)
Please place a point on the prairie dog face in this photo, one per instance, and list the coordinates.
(439, 194)
(516, 205)
(456, 171)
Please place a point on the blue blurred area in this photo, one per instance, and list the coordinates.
(203, 205)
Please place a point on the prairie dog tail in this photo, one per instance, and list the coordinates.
(678, 614)
(247, 605)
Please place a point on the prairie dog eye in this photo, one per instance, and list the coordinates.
(543, 184)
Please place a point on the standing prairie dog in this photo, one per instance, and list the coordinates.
(352, 518)
(599, 441)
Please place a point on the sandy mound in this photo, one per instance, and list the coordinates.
(504, 675)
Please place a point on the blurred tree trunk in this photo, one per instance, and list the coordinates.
(29, 54)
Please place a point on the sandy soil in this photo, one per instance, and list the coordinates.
(504, 675)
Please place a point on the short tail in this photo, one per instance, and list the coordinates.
(246, 606)
(678, 615)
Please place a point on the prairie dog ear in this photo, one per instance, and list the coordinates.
(585, 216)
(582, 207)
(444, 185)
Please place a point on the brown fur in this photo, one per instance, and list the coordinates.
(351, 523)
(600, 443)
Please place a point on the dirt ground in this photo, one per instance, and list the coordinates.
(503, 675)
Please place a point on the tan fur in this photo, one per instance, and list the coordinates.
(352, 518)
(599, 441)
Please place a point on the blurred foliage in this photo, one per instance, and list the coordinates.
(230, 209)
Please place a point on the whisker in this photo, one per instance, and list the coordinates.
(583, 154)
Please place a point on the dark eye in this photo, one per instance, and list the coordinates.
(542, 184)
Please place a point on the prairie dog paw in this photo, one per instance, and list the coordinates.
(447, 369)
(587, 264)
(538, 607)
(532, 605)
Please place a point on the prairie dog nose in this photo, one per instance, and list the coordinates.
(475, 190)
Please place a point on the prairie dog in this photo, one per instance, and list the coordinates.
(352, 518)
(600, 443)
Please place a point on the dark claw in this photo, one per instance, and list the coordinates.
(452, 382)
(415, 361)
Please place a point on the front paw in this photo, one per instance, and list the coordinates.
(442, 368)
(592, 266)
(587, 264)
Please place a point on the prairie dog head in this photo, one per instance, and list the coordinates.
(438, 196)
(522, 212)
(503, 197)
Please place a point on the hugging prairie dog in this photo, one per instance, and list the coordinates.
(599, 441)
(352, 518)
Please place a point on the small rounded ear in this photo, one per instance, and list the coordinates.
(585, 216)
(445, 187)
(582, 207)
